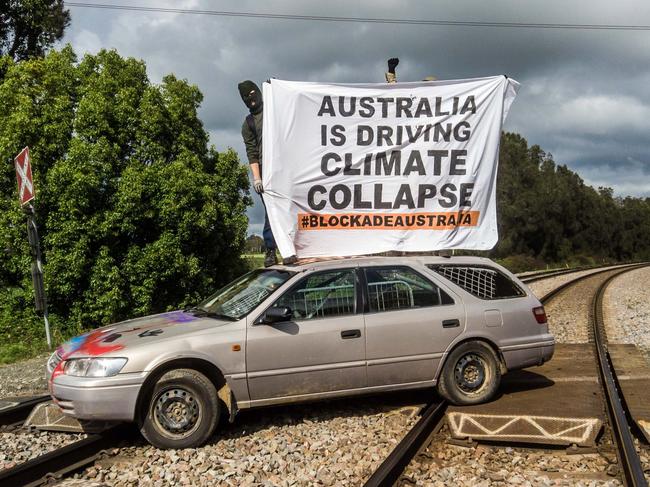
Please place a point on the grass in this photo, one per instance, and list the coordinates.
(254, 261)
(20, 351)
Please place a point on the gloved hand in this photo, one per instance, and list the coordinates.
(392, 64)
(257, 185)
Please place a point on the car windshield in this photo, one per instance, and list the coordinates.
(241, 296)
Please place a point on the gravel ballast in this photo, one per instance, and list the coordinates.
(334, 443)
(442, 464)
(627, 310)
(25, 378)
(542, 287)
(19, 446)
(627, 320)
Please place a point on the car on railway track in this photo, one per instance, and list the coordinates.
(305, 332)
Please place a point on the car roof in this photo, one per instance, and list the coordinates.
(335, 262)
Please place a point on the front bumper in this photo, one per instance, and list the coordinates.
(98, 399)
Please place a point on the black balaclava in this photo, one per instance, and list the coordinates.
(252, 101)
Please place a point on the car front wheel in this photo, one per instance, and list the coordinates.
(471, 374)
(182, 412)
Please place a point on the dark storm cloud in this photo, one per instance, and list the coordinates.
(584, 95)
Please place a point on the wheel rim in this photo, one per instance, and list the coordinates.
(176, 412)
(470, 373)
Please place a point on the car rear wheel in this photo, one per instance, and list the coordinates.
(471, 374)
(182, 412)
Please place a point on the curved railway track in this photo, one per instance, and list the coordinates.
(84, 452)
(418, 437)
(538, 276)
(628, 457)
(627, 454)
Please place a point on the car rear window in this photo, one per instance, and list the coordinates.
(481, 281)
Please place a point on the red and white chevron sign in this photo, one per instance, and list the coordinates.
(24, 176)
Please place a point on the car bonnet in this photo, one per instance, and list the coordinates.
(115, 339)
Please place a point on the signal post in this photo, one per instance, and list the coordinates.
(26, 196)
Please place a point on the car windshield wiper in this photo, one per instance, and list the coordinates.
(198, 311)
(194, 310)
(219, 316)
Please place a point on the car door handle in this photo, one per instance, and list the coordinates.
(450, 323)
(345, 334)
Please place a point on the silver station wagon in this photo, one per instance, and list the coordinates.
(306, 332)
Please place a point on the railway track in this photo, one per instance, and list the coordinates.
(541, 275)
(59, 462)
(538, 276)
(628, 457)
(419, 436)
(15, 412)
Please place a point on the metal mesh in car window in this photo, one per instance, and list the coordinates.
(324, 301)
(246, 300)
(390, 295)
(478, 281)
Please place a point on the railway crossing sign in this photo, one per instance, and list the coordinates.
(24, 176)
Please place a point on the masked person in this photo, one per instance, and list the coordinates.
(251, 132)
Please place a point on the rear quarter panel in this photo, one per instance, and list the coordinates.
(507, 323)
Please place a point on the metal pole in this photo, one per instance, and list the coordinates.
(47, 330)
(40, 299)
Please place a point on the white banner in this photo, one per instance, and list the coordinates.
(353, 169)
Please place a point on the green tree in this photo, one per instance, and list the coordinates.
(546, 211)
(29, 27)
(137, 214)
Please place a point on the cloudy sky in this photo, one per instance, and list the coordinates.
(585, 94)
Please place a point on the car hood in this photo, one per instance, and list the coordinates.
(127, 335)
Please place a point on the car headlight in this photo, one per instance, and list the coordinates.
(94, 367)
(53, 361)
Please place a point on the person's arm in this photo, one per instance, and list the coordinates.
(391, 76)
(253, 156)
(255, 169)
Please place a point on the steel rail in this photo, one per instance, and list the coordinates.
(62, 460)
(547, 275)
(394, 465)
(549, 272)
(18, 413)
(554, 292)
(539, 275)
(627, 455)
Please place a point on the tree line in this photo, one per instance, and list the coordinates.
(546, 211)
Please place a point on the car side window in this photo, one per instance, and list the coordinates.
(321, 295)
(400, 287)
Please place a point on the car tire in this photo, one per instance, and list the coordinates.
(182, 411)
(471, 374)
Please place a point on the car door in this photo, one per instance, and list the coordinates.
(320, 349)
(410, 321)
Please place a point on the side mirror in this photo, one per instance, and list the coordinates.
(276, 315)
